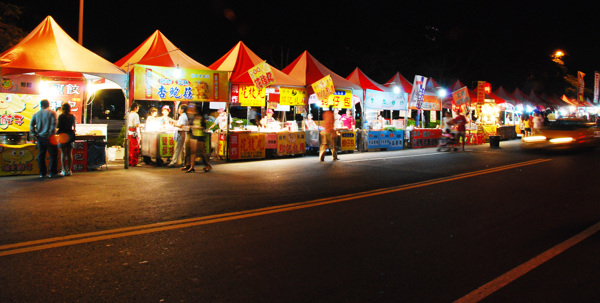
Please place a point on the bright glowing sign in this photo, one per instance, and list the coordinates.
(292, 96)
(16, 111)
(175, 84)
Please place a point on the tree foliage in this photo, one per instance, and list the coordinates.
(10, 33)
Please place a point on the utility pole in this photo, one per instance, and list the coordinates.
(80, 40)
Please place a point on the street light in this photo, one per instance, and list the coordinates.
(558, 57)
(442, 93)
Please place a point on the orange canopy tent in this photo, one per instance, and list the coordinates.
(157, 50)
(240, 59)
(49, 48)
(308, 70)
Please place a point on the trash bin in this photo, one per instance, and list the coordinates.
(495, 141)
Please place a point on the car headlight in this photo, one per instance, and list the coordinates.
(534, 139)
(561, 140)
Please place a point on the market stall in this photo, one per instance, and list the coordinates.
(346, 94)
(424, 99)
(163, 75)
(258, 87)
(47, 64)
(379, 100)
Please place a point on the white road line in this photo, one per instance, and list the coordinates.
(503, 280)
(396, 157)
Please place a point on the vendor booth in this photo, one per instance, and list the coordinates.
(268, 93)
(308, 70)
(424, 99)
(162, 76)
(381, 133)
(48, 64)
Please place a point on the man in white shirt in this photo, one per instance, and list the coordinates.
(179, 136)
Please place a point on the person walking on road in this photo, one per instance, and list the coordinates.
(66, 132)
(328, 135)
(198, 142)
(42, 127)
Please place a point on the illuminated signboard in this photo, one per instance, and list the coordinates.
(175, 84)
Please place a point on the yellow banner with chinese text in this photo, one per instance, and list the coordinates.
(292, 96)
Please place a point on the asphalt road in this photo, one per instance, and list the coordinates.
(497, 225)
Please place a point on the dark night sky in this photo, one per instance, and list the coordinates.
(496, 41)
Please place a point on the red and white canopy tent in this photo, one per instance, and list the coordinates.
(48, 51)
(237, 61)
(377, 97)
(240, 59)
(309, 70)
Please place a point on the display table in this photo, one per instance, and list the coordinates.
(385, 139)
(87, 155)
(254, 145)
(157, 145)
(346, 140)
(425, 137)
(18, 159)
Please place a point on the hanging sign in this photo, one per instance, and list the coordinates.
(596, 84)
(580, 86)
(292, 96)
(461, 96)
(323, 88)
(249, 95)
(481, 86)
(339, 99)
(179, 84)
(261, 75)
(16, 111)
(384, 100)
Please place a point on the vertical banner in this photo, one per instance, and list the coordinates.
(481, 85)
(261, 75)
(596, 89)
(417, 95)
(324, 88)
(580, 87)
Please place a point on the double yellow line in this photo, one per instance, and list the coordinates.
(17, 248)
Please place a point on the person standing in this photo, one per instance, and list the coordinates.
(327, 135)
(461, 127)
(133, 122)
(348, 120)
(66, 126)
(179, 136)
(42, 126)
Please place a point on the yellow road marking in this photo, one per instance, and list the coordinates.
(29, 246)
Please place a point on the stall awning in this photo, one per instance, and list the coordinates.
(49, 48)
(240, 59)
(157, 50)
